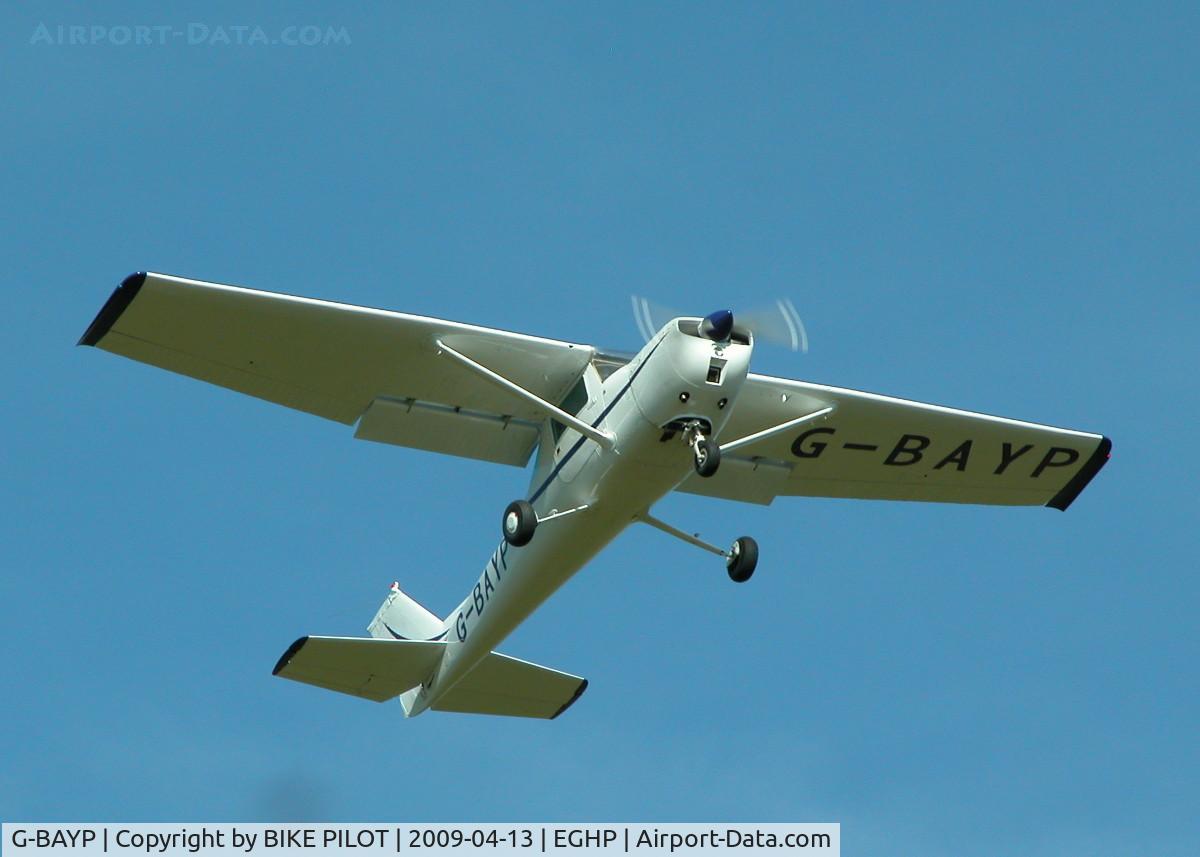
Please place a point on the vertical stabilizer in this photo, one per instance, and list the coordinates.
(408, 699)
(401, 618)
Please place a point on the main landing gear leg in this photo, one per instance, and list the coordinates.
(520, 521)
(740, 560)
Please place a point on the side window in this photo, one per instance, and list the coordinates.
(572, 404)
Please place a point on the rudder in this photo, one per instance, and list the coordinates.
(402, 618)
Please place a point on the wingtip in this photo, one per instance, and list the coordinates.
(116, 304)
(583, 685)
(1080, 480)
(287, 656)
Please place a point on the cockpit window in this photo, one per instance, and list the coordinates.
(607, 362)
(572, 404)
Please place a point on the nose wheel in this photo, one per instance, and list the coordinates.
(706, 456)
(706, 453)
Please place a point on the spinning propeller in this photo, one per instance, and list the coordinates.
(779, 324)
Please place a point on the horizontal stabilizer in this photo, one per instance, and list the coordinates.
(373, 669)
(512, 687)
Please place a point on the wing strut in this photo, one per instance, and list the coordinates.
(774, 430)
(603, 438)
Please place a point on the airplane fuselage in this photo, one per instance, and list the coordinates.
(677, 378)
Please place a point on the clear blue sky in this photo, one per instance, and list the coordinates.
(987, 206)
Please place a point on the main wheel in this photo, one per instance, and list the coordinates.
(743, 557)
(519, 523)
(707, 457)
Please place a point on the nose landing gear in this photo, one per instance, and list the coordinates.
(706, 453)
(706, 456)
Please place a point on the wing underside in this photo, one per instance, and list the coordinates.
(340, 362)
(383, 370)
(879, 447)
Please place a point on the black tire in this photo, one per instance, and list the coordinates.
(707, 457)
(518, 523)
(743, 559)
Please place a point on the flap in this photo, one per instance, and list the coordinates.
(454, 431)
(749, 480)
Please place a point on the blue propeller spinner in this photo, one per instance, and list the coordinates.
(717, 326)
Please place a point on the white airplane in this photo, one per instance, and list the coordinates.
(612, 435)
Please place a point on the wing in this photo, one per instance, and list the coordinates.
(343, 362)
(878, 447)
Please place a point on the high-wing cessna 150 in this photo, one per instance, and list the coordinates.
(612, 435)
